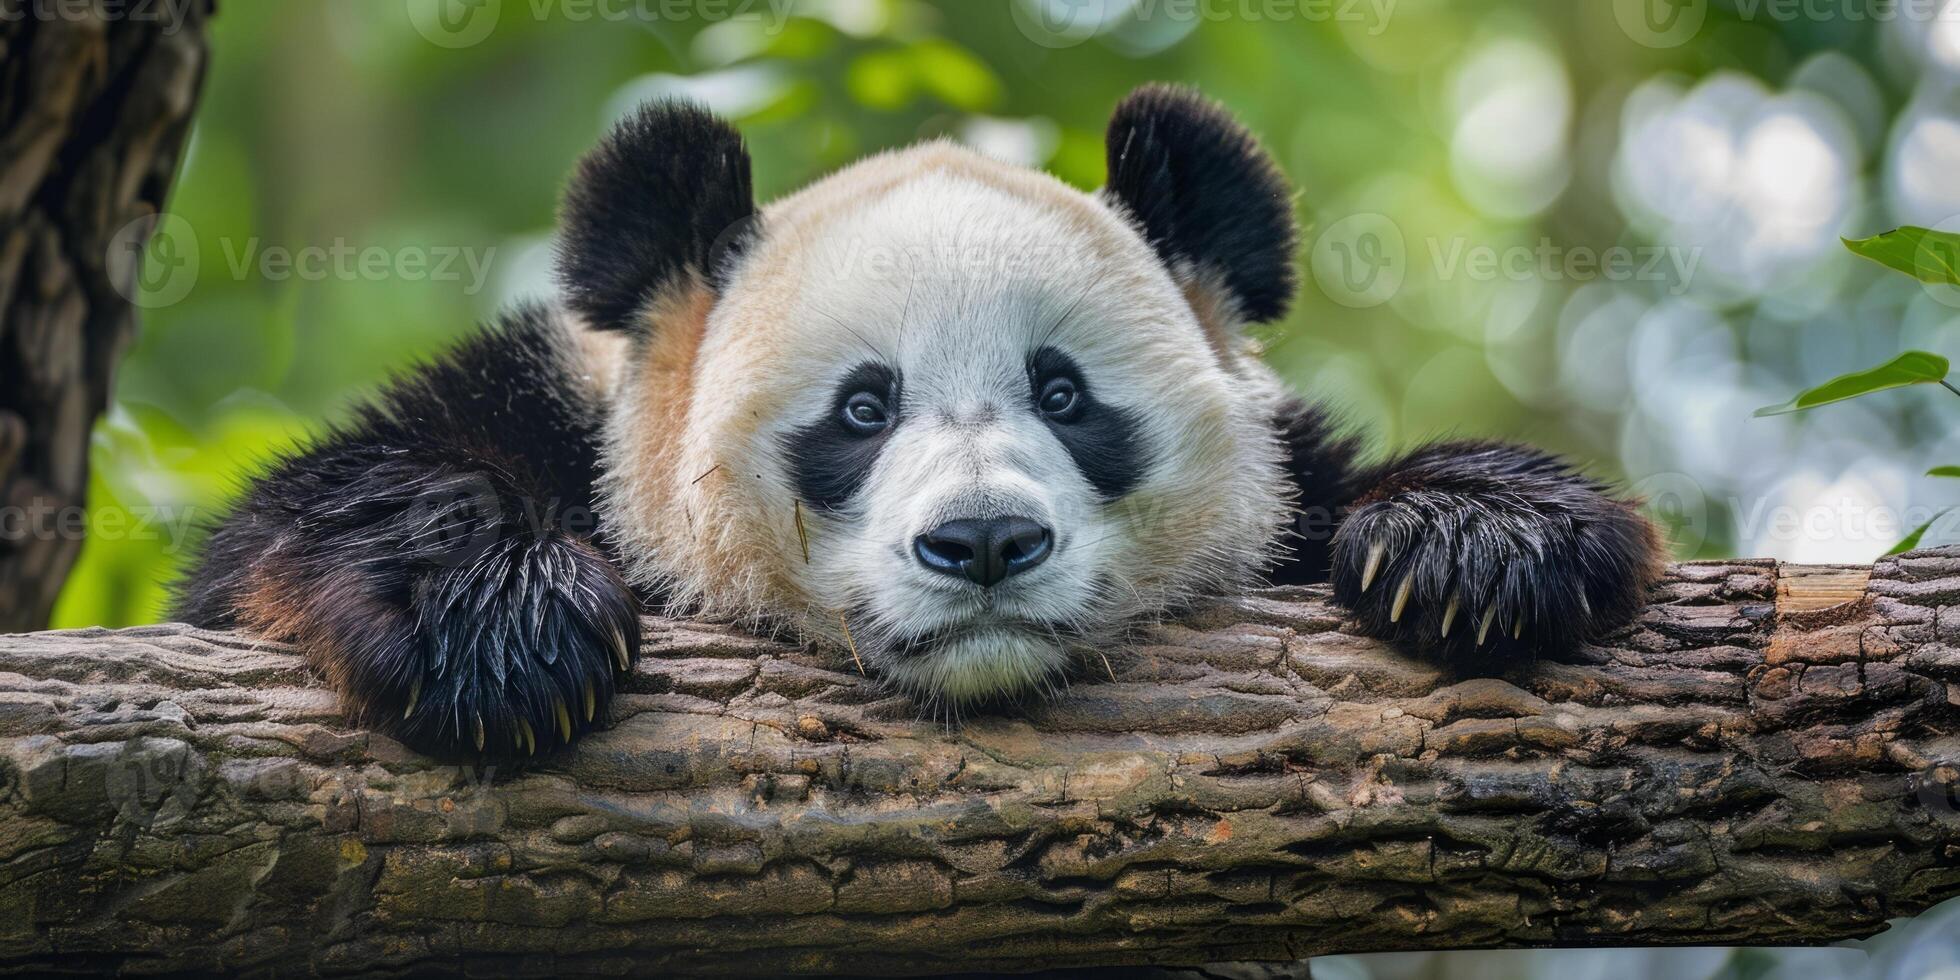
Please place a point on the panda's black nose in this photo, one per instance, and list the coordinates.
(984, 551)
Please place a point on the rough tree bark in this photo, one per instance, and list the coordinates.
(95, 101)
(1767, 756)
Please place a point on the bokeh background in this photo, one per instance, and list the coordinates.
(1608, 226)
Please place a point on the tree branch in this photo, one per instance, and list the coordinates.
(95, 104)
(1767, 756)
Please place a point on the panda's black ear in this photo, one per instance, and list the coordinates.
(663, 203)
(1206, 195)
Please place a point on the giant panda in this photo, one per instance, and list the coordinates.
(951, 414)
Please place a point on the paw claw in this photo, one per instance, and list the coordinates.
(1483, 628)
(1402, 597)
(414, 696)
(591, 701)
(619, 652)
(1449, 614)
(564, 720)
(1376, 552)
(530, 737)
(479, 733)
(1517, 629)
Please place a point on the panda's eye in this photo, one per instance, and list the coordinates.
(865, 414)
(1059, 400)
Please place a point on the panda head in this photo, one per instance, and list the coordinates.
(952, 413)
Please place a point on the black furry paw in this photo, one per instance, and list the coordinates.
(515, 652)
(1476, 552)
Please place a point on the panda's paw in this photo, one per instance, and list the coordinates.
(1489, 578)
(514, 653)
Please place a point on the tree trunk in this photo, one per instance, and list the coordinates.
(95, 99)
(1767, 756)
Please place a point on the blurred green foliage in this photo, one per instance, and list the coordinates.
(328, 123)
(344, 126)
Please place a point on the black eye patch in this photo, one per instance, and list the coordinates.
(829, 458)
(1103, 439)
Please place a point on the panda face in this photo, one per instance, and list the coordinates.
(954, 415)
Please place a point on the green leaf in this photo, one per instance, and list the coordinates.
(1944, 471)
(1914, 367)
(1911, 541)
(1924, 254)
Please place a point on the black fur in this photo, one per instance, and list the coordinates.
(1321, 465)
(1204, 193)
(830, 461)
(439, 556)
(665, 198)
(1508, 532)
(1102, 438)
(441, 548)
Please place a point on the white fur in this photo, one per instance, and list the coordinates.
(950, 269)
